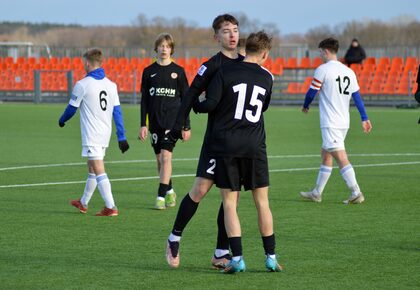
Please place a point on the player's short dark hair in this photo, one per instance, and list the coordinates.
(257, 42)
(165, 37)
(219, 20)
(94, 56)
(330, 44)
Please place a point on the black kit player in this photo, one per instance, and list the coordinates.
(236, 98)
(164, 84)
(227, 34)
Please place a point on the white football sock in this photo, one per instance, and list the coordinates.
(104, 187)
(89, 189)
(349, 176)
(220, 253)
(236, 258)
(323, 176)
(173, 238)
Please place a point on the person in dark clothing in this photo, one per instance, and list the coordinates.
(355, 53)
(226, 32)
(237, 97)
(164, 84)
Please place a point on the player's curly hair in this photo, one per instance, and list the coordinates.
(219, 20)
(94, 56)
(330, 44)
(258, 42)
(165, 37)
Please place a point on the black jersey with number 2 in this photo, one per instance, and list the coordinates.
(162, 89)
(236, 98)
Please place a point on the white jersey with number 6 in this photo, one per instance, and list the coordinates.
(96, 99)
(336, 83)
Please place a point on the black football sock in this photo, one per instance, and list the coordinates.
(169, 185)
(186, 211)
(269, 244)
(163, 188)
(222, 238)
(236, 246)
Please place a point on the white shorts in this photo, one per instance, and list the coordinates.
(93, 152)
(333, 139)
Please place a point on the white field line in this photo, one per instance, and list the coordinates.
(195, 159)
(191, 175)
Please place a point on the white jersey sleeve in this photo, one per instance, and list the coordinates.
(318, 79)
(77, 95)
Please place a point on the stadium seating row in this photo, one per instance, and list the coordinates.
(376, 76)
(384, 76)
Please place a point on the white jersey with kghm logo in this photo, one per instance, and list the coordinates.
(96, 99)
(336, 83)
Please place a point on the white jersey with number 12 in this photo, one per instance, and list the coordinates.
(336, 83)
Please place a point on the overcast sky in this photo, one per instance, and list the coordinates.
(289, 16)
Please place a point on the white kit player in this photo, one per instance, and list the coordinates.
(99, 103)
(336, 84)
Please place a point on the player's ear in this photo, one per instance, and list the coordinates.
(264, 56)
(216, 37)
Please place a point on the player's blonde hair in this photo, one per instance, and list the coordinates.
(94, 56)
(165, 37)
(257, 43)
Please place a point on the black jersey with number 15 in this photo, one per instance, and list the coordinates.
(236, 98)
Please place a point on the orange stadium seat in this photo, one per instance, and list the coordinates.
(396, 64)
(370, 60)
(9, 60)
(277, 66)
(293, 88)
(364, 86)
(316, 62)
(305, 63)
(280, 61)
(375, 88)
(383, 64)
(268, 63)
(181, 61)
(123, 61)
(291, 63)
(357, 68)
(389, 88)
(411, 61)
(393, 77)
(304, 87)
(134, 61)
(402, 88)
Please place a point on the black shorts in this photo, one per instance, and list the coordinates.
(206, 165)
(235, 172)
(156, 137)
